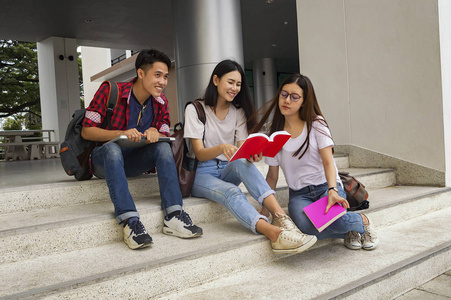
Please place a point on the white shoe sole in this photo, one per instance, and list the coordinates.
(170, 231)
(353, 247)
(300, 249)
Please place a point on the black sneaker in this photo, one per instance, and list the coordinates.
(181, 226)
(135, 235)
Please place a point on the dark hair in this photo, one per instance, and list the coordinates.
(309, 111)
(147, 57)
(242, 100)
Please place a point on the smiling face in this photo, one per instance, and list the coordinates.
(155, 78)
(287, 106)
(229, 85)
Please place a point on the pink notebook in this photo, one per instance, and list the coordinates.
(315, 212)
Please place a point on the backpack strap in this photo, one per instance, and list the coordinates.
(112, 102)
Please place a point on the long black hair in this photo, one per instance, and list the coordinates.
(242, 100)
(309, 111)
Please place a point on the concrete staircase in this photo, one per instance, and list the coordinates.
(60, 241)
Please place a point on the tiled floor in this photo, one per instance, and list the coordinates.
(437, 289)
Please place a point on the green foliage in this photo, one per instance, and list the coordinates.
(12, 124)
(19, 82)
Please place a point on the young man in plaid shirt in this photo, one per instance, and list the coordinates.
(141, 111)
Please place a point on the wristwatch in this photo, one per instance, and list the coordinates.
(333, 188)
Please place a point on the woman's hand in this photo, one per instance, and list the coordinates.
(256, 158)
(228, 150)
(335, 198)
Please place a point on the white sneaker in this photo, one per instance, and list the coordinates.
(181, 226)
(284, 221)
(369, 238)
(353, 240)
(292, 241)
(135, 235)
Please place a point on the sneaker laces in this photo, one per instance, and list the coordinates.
(353, 235)
(291, 235)
(369, 234)
(136, 227)
(285, 221)
(185, 218)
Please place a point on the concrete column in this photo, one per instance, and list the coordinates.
(444, 9)
(265, 80)
(58, 83)
(206, 32)
(93, 60)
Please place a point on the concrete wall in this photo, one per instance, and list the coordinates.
(445, 53)
(93, 61)
(375, 66)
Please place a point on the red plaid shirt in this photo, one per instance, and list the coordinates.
(96, 111)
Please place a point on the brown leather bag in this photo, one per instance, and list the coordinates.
(356, 193)
(186, 166)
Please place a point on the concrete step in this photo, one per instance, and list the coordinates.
(229, 260)
(68, 192)
(63, 194)
(68, 228)
(410, 253)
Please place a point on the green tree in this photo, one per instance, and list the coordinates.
(12, 124)
(19, 82)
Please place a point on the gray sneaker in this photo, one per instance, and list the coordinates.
(353, 240)
(292, 241)
(369, 238)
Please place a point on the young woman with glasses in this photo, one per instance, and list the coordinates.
(308, 164)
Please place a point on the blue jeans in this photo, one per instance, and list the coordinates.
(309, 194)
(115, 164)
(218, 181)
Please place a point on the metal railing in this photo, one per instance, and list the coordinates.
(121, 58)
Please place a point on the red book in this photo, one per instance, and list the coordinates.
(316, 213)
(257, 143)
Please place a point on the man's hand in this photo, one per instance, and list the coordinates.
(152, 135)
(133, 135)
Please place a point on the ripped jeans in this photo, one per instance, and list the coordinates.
(218, 181)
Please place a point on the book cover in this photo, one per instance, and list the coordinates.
(316, 213)
(257, 143)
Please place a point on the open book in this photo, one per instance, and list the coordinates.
(257, 143)
(316, 213)
(124, 142)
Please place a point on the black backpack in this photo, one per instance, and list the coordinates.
(75, 151)
(356, 193)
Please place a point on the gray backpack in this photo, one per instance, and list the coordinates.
(75, 151)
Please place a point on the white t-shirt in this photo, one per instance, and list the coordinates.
(228, 131)
(308, 170)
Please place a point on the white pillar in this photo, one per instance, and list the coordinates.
(58, 83)
(444, 9)
(206, 32)
(93, 60)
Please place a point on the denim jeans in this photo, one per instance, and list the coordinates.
(307, 195)
(115, 164)
(218, 181)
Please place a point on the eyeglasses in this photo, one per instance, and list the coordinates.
(293, 97)
(140, 121)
